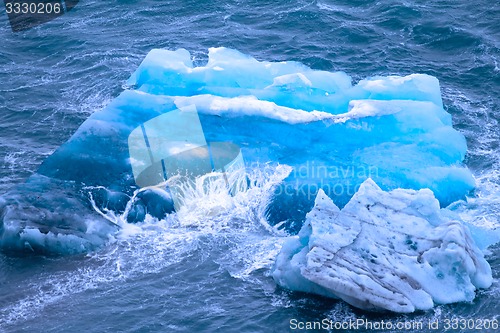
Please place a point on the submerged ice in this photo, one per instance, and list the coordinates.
(392, 251)
(332, 134)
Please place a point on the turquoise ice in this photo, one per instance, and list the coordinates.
(393, 129)
(333, 133)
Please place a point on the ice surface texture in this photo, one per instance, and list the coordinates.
(383, 251)
(334, 134)
(393, 128)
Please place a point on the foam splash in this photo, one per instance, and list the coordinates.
(154, 245)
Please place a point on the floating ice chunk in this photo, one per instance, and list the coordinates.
(401, 118)
(383, 251)
(332, 133)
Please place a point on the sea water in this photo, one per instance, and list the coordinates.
(214, 275)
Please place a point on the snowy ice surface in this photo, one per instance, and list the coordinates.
(384, 251)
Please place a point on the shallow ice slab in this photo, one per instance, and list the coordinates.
(384, 251)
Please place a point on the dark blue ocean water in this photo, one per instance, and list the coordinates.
(54, 76)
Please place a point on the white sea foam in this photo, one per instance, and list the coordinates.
(153, 245)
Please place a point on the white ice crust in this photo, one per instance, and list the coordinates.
(392, 251)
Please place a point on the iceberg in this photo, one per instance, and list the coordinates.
(393, 251)
(333, 133)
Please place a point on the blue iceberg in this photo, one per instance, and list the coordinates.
(332, 133)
